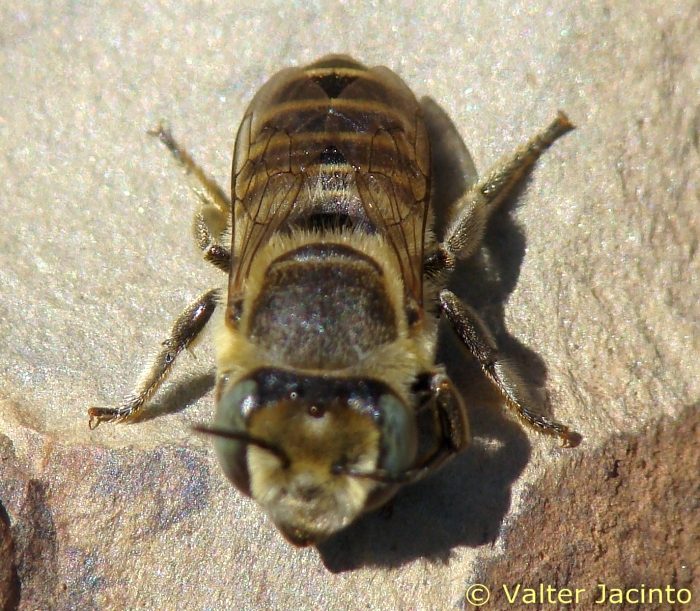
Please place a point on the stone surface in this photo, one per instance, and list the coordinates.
(626, 517)
(589, 278)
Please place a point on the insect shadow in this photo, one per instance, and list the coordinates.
(464, 504)
(179, 396)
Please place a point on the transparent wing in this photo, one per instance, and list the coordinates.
(374, 123)
(268, 165)
(393, 165)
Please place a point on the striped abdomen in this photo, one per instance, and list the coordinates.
(332, 145)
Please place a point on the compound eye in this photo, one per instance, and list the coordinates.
(399, 435)
(235, 404)
(232, 409)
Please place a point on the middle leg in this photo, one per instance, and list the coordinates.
(479, 341)
(184, 332)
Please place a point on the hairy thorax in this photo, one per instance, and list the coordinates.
(322, 306)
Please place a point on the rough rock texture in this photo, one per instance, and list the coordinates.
(589, 278)
(604, 518)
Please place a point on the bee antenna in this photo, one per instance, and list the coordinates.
(244, 438)
(380, 475)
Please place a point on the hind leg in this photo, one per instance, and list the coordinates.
(214, 213)
(462, 238)
(472, 211)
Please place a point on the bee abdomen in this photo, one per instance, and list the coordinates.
(333, 147)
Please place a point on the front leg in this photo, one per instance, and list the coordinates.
(479, 341)
(446, 431)
(450, 432)
(185, 330)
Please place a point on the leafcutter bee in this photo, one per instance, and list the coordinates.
(328, 396)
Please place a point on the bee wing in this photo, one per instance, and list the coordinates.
(375, 123)
(392, 165)
(268, 165)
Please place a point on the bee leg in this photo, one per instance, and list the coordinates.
(214, 214)
(451, 424)
(452, 419)
(479, 341)
(465, 232)
(214, 253)
(184, 332)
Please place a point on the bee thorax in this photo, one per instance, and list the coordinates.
(322, 307)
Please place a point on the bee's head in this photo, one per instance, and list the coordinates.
(314, 451)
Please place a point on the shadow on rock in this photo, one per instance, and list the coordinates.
(465, 503)
(461, 505)
(178, 397)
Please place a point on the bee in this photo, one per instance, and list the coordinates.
(328, 396)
